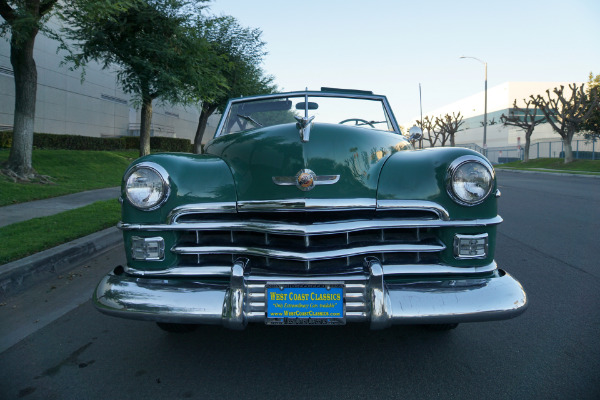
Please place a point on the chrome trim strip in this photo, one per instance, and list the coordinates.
(435, 269)
(312, 229)
(498, 193)
(309, 255)
(414, 205)
(182, 271)
(388, 270)
(307, 204)
(222, 207)
(328, 278)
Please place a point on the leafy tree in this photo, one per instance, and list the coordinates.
(448, 125)
(526, 119)
(242, 50)
(23, 20)
(566, 113)
(153, 45)
(590, 128)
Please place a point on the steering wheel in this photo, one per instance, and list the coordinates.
(356, 121)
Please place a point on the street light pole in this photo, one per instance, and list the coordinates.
(484, 107)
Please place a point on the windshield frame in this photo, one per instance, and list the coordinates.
(308, 93)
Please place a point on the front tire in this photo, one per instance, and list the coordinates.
(441, 327)
(176, 328)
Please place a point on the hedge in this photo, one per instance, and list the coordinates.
(75, 142)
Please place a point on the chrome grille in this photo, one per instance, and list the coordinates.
(316, 242)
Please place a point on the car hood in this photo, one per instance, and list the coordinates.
(355, 154)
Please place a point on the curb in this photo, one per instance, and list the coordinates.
(520, 171)
(21, 274)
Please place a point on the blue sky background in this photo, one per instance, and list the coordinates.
(390, 47)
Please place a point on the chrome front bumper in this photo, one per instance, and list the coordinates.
(368, 298)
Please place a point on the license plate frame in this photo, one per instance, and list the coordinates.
(314, 303)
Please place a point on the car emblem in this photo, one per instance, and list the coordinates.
(306, 180)
(303, 125)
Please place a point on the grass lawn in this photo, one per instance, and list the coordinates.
(591, 167)
(28, 237)
(71, 171)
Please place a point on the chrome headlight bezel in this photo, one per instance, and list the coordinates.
(165, 187)
(451, 175)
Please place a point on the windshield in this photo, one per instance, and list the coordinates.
(365, 113)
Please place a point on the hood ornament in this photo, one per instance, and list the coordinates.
(303, 125)
(306, 180)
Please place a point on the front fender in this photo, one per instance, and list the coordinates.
(193, 179)
(421, 175)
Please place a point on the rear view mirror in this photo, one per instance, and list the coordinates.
(311, 105)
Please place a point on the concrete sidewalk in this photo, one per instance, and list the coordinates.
(21, 274)
(43, 208)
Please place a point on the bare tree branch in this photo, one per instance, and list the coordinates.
(565, 115)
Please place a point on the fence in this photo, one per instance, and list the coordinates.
(582, 149)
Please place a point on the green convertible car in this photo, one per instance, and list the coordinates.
(310, 208)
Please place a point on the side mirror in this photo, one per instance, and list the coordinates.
(415, 133)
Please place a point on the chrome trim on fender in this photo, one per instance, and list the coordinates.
(414, 205)
(308, 255)
(312, 229)
(307, 205)
(228, 207)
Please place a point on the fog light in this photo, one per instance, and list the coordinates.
(471, 246)
(150, 249)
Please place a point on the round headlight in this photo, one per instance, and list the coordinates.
(147, 186)
(470, 180)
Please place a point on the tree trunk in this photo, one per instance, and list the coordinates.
(452, 140)
(146, 120)
(21, 58)
(528, 134)
(568, 149)
(206, 111)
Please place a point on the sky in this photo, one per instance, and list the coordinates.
(390, 47)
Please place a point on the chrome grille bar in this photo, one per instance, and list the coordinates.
(312, 229)
(309, 255)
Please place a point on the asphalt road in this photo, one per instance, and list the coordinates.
(549, 241)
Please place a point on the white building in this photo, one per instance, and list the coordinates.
(95, 107)
(500, 101)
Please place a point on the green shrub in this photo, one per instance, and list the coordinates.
(5, 139)
(170, 144)
(77, 142)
